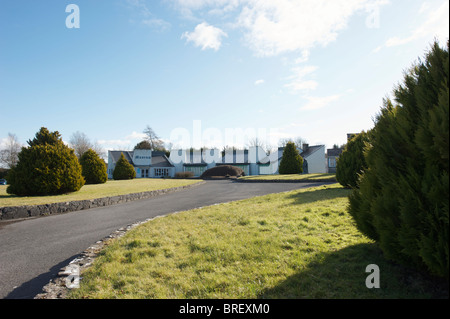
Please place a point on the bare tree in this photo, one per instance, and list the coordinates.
(298, 141)
(154, 140)
(9, 155)
(255, 142)
(81, 144)
(283, 142)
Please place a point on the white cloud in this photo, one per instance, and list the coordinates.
(205, 36)
(425, 6)
(435, 25)
(276, 27)
(146, 16)
(127, 141)
(259, 82)
(159, 24)
(297, 81)
(315, 103)
(303, 58)
(282, 26)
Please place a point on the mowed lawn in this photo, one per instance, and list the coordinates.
(299, 244)
(110, 188)
(299, 177)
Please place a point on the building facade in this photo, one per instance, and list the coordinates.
(146, 163)
(254, 161)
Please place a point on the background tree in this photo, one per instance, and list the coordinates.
(123, 170)
(352, 163)
(153, 139)
(81, 144)
(298, 141)
(46, 167)
(9, 154)
(144, 145)
(402, 199)
(93, 168)
(291, 162)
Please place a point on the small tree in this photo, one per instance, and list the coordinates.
(292, 162)
(123, 170)
(94, 168)
(46, 167)
(351, 163)
(9, 155)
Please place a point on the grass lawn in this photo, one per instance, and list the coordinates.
(299, 244)
(300, 177)
(110, 188)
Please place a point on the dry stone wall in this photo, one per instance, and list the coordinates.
(21, 212)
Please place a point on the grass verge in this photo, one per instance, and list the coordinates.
(300, 244)
(110, 188)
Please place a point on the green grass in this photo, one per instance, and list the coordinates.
(299, 244)
(110, 188)
(300, 177)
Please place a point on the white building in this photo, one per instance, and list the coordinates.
(254, 161)
(314, 160)
(146, 163)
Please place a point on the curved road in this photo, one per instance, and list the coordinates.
(33, 251)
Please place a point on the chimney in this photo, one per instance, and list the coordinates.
(305, 147)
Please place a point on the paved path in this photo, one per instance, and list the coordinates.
(33, 251)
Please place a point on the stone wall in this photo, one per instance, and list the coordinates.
(20, 212)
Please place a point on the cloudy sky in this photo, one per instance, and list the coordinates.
(207, 72)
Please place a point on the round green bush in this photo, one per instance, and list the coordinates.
(93, 167)
(46, 167)
(223, 171)
(291, 162)
(123, 170)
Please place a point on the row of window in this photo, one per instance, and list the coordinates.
(145, 173)
(161, 172)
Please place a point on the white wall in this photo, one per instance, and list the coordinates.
(317, 163)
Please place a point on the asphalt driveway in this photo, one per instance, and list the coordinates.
(33, 251)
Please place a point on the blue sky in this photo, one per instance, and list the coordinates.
(282, 69)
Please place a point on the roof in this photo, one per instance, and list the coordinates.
(334, 151)
(116, 156)
(310, 150)
(159, 159)
(304, 154)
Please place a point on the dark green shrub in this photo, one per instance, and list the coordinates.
(46, 167)
(292, 162)
(223, 171)
(402, 202)
(93, 167)
(123, 170)
(184, 175)
(351, 163)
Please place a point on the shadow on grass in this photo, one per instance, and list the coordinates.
(311, 196)
(341, 275)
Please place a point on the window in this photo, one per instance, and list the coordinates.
(332, 162)
(161, 172)
(198, 171)
(144, 173)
